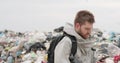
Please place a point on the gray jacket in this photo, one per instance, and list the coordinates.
(84, 53)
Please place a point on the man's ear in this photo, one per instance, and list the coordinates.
(77, 25)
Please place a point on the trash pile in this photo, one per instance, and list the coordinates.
(31, 47)
(27, 47)
(107, 46)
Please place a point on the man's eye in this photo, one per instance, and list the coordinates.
(87, 29)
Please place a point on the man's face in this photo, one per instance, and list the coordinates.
(84, 29)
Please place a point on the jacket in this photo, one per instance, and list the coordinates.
(84, 53)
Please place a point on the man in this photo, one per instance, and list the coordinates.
(82, 28)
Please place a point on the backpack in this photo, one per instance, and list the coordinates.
(54, 44)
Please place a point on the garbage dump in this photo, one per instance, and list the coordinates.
(31, 47)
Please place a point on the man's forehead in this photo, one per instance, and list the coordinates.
(87, 24)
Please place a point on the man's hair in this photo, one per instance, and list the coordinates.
(83, 16)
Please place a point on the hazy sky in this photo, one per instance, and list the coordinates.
(43, 15)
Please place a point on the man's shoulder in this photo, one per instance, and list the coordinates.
(66, 40)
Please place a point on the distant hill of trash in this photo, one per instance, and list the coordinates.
(32, 46)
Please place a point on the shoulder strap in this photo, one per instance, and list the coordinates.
(74, 46)
(55, 42)
(52, 48)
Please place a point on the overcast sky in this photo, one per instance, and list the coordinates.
(44, 15)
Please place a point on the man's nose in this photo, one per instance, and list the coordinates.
(89, 31)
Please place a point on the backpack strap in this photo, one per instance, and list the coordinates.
(52, 48)
(74, 47)
(54, 44)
